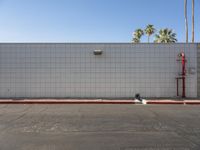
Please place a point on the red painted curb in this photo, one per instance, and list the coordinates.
(165, 103)
(192, 102)
(153, 102)
(65, 102)
(170, 102)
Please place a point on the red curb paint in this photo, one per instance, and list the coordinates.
(48, 101)
(65, 102)
(166, 103)
(169, 102)
(192, 102)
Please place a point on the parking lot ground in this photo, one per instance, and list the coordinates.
(99, 127)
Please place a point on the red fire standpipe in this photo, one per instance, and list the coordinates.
(182, 58)
(183, 73)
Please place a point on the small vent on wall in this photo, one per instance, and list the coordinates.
(98, 52)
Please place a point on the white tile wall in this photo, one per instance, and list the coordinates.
(72, 71)
(198, 70)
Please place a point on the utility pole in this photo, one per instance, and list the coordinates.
(186, 21)
(193, 21)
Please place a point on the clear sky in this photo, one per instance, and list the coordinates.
(89, 20)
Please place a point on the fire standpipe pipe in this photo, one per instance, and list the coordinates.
(182, 76)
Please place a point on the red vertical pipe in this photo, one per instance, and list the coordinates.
(177, 87)
(183, 94)
(183, 73)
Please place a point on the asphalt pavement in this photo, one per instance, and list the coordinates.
(99, 127)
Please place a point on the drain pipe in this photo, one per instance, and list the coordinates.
(183, 73)
(183, 60)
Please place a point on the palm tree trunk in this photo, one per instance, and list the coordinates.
(192, 21)
(186, 22)
(148, 39)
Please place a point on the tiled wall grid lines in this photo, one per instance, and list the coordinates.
(198, 71)
(72, 70)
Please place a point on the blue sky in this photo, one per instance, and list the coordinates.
(89, 20)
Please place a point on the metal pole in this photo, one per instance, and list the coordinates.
(177, 87)
(183, 74)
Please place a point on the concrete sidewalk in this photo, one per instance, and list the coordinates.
(96, 101)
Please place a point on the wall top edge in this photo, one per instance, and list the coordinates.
(98, 43)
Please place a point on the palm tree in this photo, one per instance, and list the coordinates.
(165, 36)
(192, 21)
(149, 31)
(135, 40)
(137, 35)
(186, 21)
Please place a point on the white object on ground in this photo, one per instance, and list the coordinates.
(138, 101)
(144, 101)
